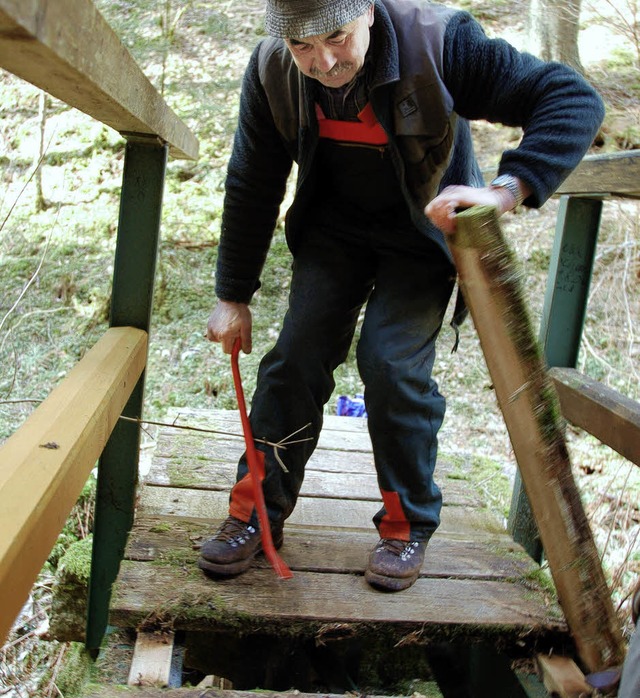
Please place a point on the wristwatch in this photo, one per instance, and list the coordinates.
(512, 185)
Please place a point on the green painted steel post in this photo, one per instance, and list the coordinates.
(563, 314)
(131, 303)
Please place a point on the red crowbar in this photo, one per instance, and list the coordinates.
(255, 461)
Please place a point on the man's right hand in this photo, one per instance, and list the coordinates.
(227, 322)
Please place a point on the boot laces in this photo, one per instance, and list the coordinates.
(401, 548)
(235, 532)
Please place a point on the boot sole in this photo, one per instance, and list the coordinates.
(384, 583)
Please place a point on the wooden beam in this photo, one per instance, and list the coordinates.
(66, 48)
(152, 657)
(603, 412)
(616, 174)
(562, 678)
(45, 464)
(492, 289)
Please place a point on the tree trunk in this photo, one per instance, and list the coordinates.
(553, 31)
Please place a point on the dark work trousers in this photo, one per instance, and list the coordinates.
(404, 282)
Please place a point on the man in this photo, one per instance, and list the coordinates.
(630, 680)
(372, 102)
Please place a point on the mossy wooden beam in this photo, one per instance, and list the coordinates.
(45, 464)
(491, 285)
(66, 48)
(611, 417)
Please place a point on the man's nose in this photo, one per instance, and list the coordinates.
(324, 58)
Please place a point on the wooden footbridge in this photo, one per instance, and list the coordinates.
(478, 622)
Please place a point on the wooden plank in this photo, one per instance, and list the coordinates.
(464, 522)
(339, 433)
(525, 394)
(66, 48)
(320, 550)
(185, 448)
(258, 599)
(615, 173)
(96, 691)
(45, 464)
(562, 677)
(607, 414)
(152, 657)
(213, 474)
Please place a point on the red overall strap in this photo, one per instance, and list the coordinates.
(367, 131)
(255, 461)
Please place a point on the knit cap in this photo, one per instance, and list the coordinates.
(297, 19)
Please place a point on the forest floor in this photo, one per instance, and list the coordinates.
(56, 268)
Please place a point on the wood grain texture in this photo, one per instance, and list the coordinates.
(258, 598)
(66, 48)
(491, 286)
(54, 452)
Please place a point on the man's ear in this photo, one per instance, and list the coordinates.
(371, 13)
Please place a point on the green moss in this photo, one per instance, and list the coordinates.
(75, 671)
(76, 562)
(160, 528)
(69, 601)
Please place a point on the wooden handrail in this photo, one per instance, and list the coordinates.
(615, 174)
(66, 48)
(46, 462)
(599, 176)
(611, 417)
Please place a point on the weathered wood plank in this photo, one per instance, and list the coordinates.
(615, 173)
(220, 476)
(54, 452)
(112, 692)
(183, 445)
(525, 394)
(66, 48)
(259, 599)
(152, 656)
(339, 433)
(562, 677)
(319, 550)
(603, 412)
(311, 511)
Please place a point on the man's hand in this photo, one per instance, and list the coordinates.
(442, 210)
(229, 321)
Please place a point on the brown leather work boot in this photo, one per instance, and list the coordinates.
(233, 547)
(394, 565)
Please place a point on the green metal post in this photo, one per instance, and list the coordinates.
(563, 314)
(131, 303)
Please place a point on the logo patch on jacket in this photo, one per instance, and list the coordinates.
(407, 106)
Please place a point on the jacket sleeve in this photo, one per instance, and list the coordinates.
(254, 189)
(559, 112)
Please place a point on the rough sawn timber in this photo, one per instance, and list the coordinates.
(476, 583)
(66, 48)
(491, 286)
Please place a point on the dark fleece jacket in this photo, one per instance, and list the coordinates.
(435, 69)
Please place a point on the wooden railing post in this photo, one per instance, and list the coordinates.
(131, 303)
(563, 314)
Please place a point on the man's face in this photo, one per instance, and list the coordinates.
(334, 59)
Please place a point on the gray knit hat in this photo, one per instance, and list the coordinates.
(296, 19)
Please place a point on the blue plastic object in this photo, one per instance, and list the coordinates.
(351, 406)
